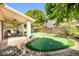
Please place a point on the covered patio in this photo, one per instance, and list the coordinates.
(7, 13)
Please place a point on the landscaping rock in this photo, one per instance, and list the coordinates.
(10, 51)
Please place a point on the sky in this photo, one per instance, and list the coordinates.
(23, 7)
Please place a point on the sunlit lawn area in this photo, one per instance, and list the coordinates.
(45, 42)
(74, 31)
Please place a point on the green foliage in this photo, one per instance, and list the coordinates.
(44, 42)
(11, 24)
(68, 30)
(74, 32)
(36, 14)
(60, 11)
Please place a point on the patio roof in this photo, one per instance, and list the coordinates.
(8, 13)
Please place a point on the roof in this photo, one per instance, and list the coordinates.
(8, 13)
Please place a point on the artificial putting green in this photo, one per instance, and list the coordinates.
(45, 42)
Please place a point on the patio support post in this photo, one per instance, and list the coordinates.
(1, 30)
(22, 29)
(28, 30)
(18, 28)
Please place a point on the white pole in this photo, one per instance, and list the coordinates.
(28, 30)
(22, 29)
(1, 31)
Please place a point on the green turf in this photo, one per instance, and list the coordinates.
(45, 42)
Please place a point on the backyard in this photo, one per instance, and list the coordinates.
(53, 32)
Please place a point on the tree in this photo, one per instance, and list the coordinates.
(60, 11)
(11, 24)
(38, 15)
